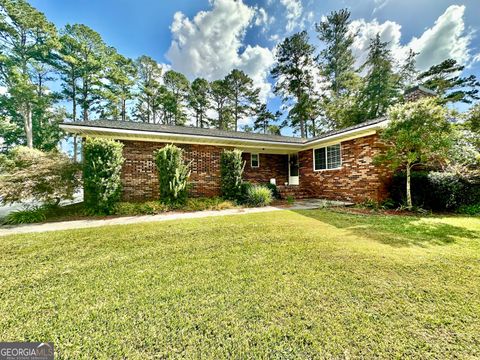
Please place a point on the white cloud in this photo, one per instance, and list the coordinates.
(294, 10)
(3, 90)
(262, 17)
(211, 44)
(379, 4)
(447, 38)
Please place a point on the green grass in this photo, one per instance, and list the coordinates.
(77, 211)
(308, 284)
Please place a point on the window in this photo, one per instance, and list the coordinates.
(327, 158)
(254, 160)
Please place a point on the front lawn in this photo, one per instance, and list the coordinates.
(306, 284)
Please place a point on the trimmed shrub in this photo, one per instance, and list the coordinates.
(27, 216)
(173, 175)
(231, 171)
(102, 167)
(273, 188)
(437, 190)
(29, 174)
(259, 196)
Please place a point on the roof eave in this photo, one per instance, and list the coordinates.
(265, 145)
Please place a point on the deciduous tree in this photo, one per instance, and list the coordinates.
(418, 133)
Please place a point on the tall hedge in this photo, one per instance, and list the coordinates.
(103, 162)
(173, 175)
(437, 190)
(231, 171)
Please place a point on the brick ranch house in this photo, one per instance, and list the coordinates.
(337, 165)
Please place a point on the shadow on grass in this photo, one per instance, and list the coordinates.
(397, 231)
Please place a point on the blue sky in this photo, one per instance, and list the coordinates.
(209, 38)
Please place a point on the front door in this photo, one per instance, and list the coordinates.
(293, 178)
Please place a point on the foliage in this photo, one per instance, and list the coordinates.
(380, 90)
(231, 171)
(201, 204)
(243, 95)
(27, 42)
(27, 216)
(177, 89)
(290, 200)
(29, 174)
(259, 195)
(173, 174)
(103, 162)
(245, 188)
(336, 59)
(292, 72)
(148, 84)
(274, 189)
(445, 80)
(473, 209)
(120, 77)
(221, 103)
(265, 119)
(438, 191)
(140, 208)
(199, 101)
(418, 133)
(83, 58)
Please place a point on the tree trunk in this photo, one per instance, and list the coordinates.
(74, 116)
(84, 105)
(124, 110)
(27, 117)
(75, 148)
(409, 193)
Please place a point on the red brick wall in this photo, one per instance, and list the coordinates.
(357, 180)
(140, 180)
(271, 166)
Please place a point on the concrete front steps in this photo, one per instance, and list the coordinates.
(293, 191)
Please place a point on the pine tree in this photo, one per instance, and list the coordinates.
(292, 72)
(445, 80)
(381, 82)
(178, 86)
(243, 94)
(221, 102)
(148, 84)
(120, 75)
(199, 101)
(27, 40)
(336, 59)
(265, 118)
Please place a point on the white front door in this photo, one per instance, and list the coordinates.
(293, 176)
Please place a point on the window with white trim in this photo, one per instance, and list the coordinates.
(254, 160)
(327, 158)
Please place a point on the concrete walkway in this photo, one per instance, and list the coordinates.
(81, 224)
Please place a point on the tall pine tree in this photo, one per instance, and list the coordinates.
(292, 72)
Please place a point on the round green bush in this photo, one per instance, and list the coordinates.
(259, 196)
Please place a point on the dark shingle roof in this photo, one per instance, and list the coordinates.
(350, 128)
(194, 131)
(186, 130)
